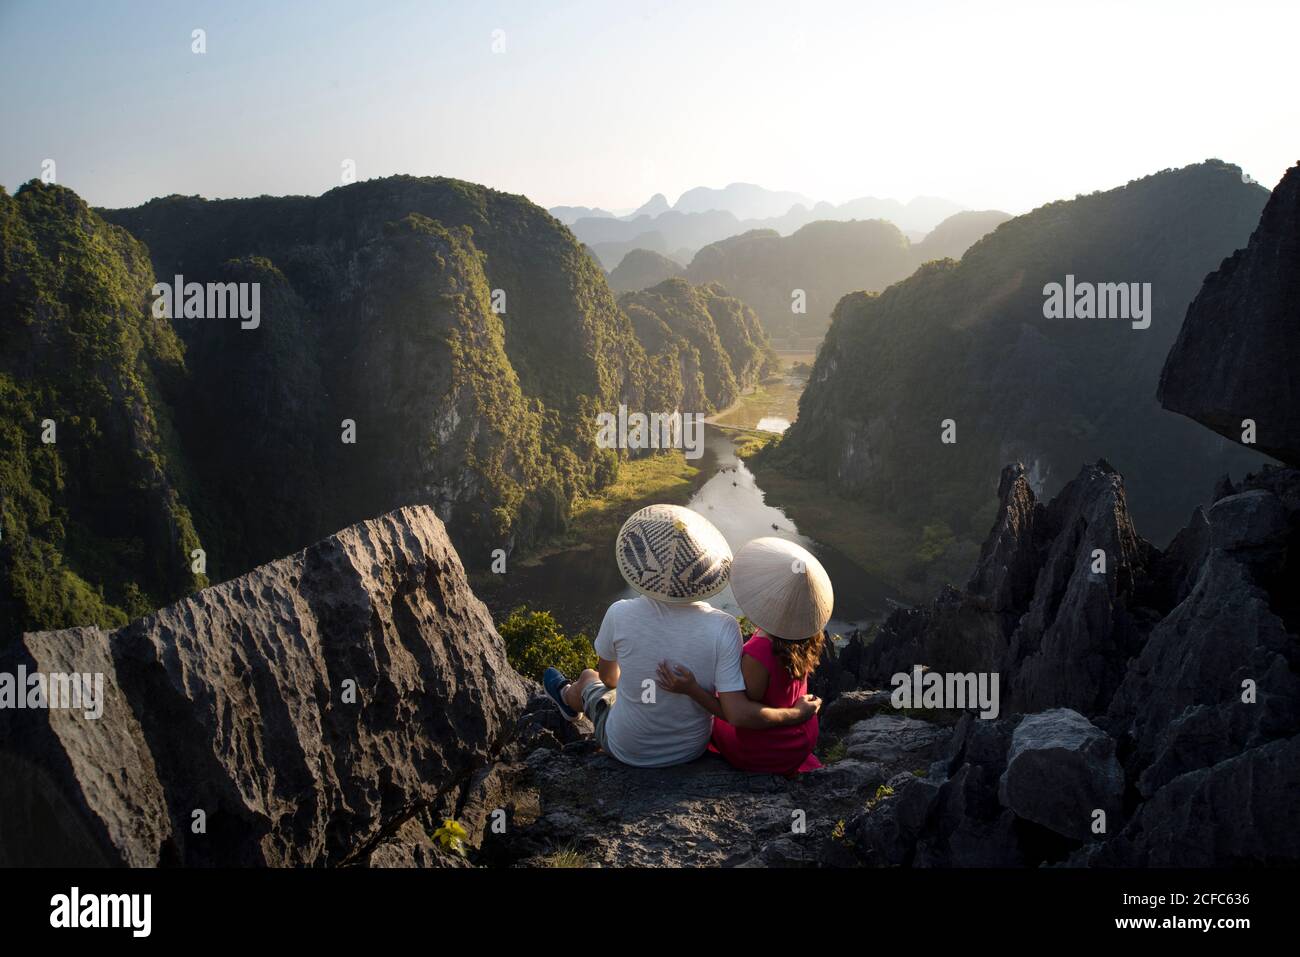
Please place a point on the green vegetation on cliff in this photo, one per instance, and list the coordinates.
(706, 330)
(464, 331)
(418, 340)
(92, 529)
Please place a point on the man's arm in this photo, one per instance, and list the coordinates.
(609, 672)
(738, 710)
(607, 648)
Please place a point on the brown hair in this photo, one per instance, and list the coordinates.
(799, 657)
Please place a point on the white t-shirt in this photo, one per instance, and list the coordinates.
(652, 730)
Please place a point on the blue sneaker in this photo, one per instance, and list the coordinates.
(554, 682)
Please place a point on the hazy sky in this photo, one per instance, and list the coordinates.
(994, 105)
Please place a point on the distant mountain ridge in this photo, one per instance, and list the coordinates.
(704, 215)
(793, 282)
(742, 200)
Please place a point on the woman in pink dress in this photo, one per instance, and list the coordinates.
(785, 591)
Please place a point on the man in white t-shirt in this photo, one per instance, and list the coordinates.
(676, 553)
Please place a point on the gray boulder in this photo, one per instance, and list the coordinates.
(851, 707)
(1060, 770)
(307, 709)
(1247, 520)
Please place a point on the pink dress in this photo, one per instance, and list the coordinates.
(770, 750)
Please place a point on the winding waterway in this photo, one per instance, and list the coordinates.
(577, 584)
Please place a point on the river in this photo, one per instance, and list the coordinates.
(577, 584)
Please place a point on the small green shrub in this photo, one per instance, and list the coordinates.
(534, 641)
(935, 540)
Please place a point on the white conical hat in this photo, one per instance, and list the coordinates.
(672, 554)
(782, 589)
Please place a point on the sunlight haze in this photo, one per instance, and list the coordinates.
(1007, 106)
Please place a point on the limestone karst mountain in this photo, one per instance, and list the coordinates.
(417, 341)
(720, 333)
(655, 205)
(642, 268)
(826, 260)
(571, 214)
(968, 344)
(93, 522)
(742, 200)
(526, 339)
(956, 234)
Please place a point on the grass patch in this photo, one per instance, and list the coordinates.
(567, 855)
(666, 477)
(747, 442)
(774, 398)
(836, 751)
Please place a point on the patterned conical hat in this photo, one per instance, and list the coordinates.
(672, 554)
(782, 589)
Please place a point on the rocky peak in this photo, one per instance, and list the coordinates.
(1038, 607)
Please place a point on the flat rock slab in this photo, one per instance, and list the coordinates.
(701, 814)
(890, 739)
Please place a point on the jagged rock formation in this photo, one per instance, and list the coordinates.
(1186, 662)
(309, 708)
(969, 342)
(1035, 610)
(230, 702)
(1181, 703)
(1238, 354)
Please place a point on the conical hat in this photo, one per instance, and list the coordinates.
(672, 554)
(782, 589)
